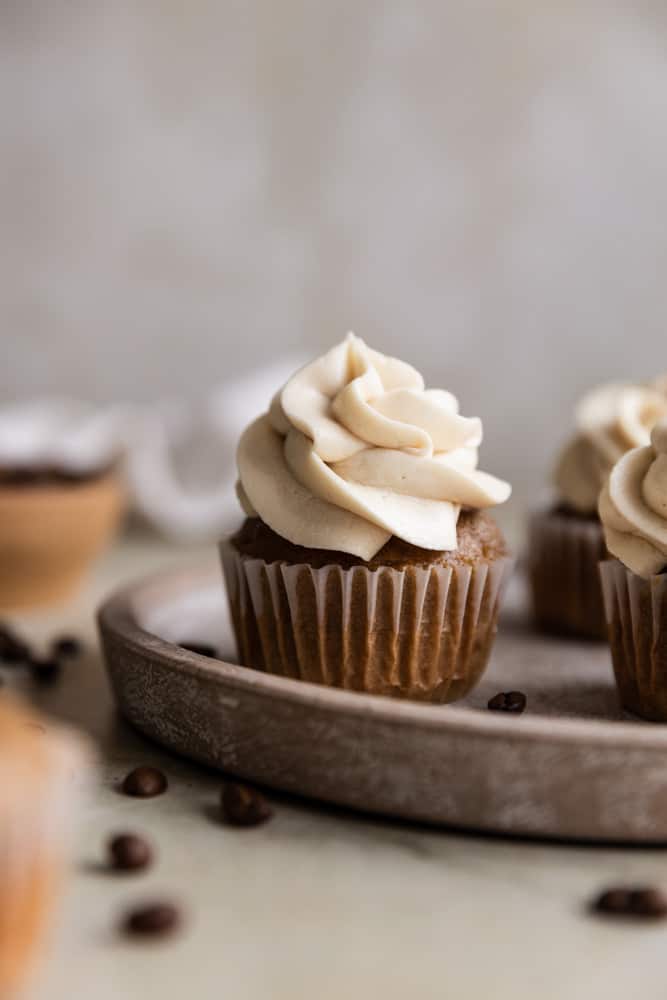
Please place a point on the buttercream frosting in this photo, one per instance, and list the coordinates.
(633, 506)
(610, 421)
(354, 449)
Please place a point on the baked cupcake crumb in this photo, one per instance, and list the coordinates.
(479, 540)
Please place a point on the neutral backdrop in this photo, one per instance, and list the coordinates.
(191, 188)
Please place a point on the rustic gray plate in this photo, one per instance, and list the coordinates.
(572, 766)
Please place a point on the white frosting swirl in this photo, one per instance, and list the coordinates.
(633, 506)
(610, 420)
(355, 449)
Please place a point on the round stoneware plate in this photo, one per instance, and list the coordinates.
(571, 766)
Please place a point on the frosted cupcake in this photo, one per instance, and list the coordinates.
(42, 771)
(566, 541)
(61, 496)
(366, 561)
(633, 510)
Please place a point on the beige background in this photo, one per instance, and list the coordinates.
(189, 188)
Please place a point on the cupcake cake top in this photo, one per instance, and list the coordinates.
(610, 420)
(354, 449)
(633, 506)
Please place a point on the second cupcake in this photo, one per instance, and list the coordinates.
(566, 542)
(365, 561)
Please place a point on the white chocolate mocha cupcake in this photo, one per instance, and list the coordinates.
(566, 541)
(365, 560)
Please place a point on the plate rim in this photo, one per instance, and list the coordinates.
(117, 615)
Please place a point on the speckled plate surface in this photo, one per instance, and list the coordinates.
(572, 766)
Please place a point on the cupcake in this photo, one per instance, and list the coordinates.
(61, 497)
(52, 526)
(566, 541)
(633, 511)
(41, 774)
(366, 560)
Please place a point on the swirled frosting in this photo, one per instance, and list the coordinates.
(610, 420)
(354, 450)
(633, 506)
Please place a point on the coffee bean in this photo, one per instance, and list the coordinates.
(242, 805)
(613, 901)
(641, 902)
(647, 902)
(203, 648)
(153, 920)
(145, 782)
(67, 647)
(12, 649)
(128, 852)
(45, 671)
(508, 701)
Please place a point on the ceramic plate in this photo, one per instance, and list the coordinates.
(572, 766)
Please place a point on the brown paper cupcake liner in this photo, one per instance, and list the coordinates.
(419, 632)
(563, 558)
(636, 611)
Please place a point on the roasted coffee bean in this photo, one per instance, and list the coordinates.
(242, 805)
(203, 648)
(613, 901)
(67, 647)
(508, 701)
(128, 852)
(642, 902)
(45, 671)
(153, 920)
(648, 902)
(12, 649)
(145, 782)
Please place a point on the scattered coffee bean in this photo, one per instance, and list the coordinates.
(612, 901)
(508, 701)
(12, 649)
(649, 902)
(145, 782)
(45, 671)
(128, 852)
(242, 805)
(66, 646)
(642, 902)
(203, 648)
(154, 920)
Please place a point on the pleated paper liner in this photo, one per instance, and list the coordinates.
(41, 784)
(421, 632)
(636, 610)
(563, 557)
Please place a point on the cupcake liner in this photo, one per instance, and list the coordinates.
(419, 632)
(564, 553)
(39, 798)
(636, 611)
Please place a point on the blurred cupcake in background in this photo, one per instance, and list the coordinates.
(367, 560)
(61, 496)
(633, 510)
(566, 541)
(43, 773)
